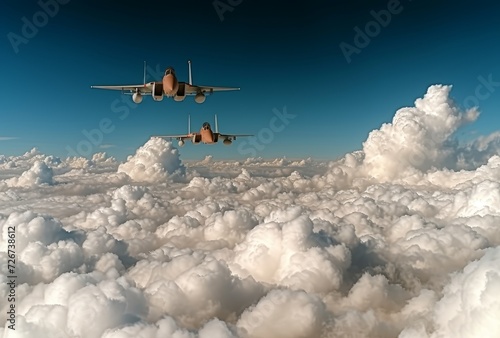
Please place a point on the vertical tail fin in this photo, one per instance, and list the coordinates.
(190, 81)
(216, 124)
(144, 73)
(189, 124)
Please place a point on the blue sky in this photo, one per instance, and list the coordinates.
(281, 54)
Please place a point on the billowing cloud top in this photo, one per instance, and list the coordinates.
(38, 174)
(418, 137)
(153, 162)
(399, 238)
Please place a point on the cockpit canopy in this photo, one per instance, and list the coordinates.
(169, 70)
(206, 125)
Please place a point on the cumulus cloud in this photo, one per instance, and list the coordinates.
(470, 306)
(40, 173)
(153, 162)
(419, 137)
(399, 238)
(278, 315)
(292, 254)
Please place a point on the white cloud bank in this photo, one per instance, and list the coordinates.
(400, 239)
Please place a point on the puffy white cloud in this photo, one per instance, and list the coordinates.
(418, 137)
(292, 254)
(470, 306)
(106, 305)
(153, 162)
(165, 327)
(38, 174)
(192, 287)
(98, 160)
(284, 313)
(31, 227)
(375, 292)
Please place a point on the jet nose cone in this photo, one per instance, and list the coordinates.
(170, 85)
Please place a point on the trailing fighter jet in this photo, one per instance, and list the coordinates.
(206, 135)
(169, 87)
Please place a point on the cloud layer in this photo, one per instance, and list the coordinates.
(399, 238)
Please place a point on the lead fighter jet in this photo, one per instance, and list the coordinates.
(169, 87)
(206, 135)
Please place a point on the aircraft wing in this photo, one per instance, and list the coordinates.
(233, 136)
(193, 89)
(176, 137)
(143, 88)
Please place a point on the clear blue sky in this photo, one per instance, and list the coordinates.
(282, 53)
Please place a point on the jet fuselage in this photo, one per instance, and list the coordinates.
(207, 136)
(170, 83)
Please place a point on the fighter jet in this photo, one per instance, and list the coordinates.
(169, 87)
(206, 135)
